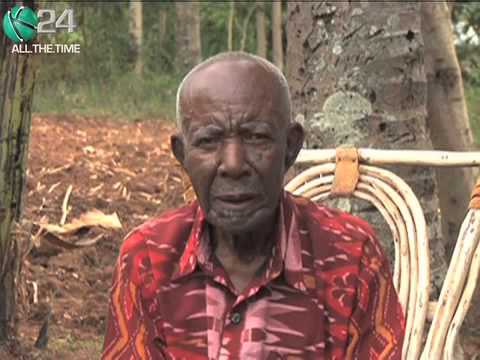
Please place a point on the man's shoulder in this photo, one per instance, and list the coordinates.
(332, 220)
(171, 227)
(339, 240)
(150, 250)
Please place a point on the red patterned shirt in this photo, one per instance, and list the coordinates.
(324, 293)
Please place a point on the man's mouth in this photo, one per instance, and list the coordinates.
(236, 200)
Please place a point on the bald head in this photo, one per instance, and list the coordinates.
(224, 75)
(236, 137)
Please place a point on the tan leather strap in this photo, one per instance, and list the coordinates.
(346, 172)
(475, 198)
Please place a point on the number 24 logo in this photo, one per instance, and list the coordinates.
(64, 21)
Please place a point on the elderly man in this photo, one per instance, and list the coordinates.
(248, 271)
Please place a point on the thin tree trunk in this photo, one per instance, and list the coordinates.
(246, 21)
(451, 6)
(231, 19)
(277, 44)
(447, 120)
(162, 25)
(261, 29)
(357, 77)
(187, 33)
(136, 35)
(16, 90)
(447, 111)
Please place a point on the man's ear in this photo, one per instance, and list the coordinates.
(178, 147)
(295, 137)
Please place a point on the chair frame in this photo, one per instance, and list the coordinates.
(402, 211)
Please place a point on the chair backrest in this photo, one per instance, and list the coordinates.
(356, 173)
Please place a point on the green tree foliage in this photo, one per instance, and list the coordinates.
(102, 32)
(215, 24)
(79, 82)
(466, 16)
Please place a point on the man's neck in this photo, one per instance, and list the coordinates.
(245, 246)
(242, 255)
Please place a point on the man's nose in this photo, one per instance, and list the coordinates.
(233, 161)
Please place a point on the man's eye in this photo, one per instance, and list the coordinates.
(256, 137)
(205, 141)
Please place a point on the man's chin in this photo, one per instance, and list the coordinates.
(239, 222)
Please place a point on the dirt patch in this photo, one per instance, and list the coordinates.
(112, 166)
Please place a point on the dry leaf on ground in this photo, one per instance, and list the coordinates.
(57, 235)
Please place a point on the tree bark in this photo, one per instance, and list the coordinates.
(231, 19)
(448, 121)
(447, 113)
(277, 44)
(261, 29)
(246, 21)
(16, 90)
(451, 7)
(162, 25)
(187, 32)
(136, 35)
(357, 77)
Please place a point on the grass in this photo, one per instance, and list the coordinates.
(472, 95)
(70, 344)
(63, 344)
(127, 96)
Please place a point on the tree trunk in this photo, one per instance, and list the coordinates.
(451, 7)
(16, 90)
(136, 35)
(246, 22)
(447, 114)
(187, 32)
(162, 25)
(261, 29)
(357, 77)
(277, 44)
(448, 122)
(231, 19)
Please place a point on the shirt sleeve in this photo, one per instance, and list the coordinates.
(130, 334)
(377, 325)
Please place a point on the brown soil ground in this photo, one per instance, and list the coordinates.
(113, 166)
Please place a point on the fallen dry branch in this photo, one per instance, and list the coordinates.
(65, 209)
(125, 171)
(58, 169)
(53, 187)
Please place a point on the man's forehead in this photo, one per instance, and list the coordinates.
(234, 90)
(229, 77)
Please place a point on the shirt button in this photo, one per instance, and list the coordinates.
(236, 318)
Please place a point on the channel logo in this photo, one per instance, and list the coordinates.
(20, 24)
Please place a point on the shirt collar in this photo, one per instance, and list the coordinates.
(286, 254)
(197, 241)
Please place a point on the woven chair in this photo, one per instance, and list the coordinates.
(356, 172)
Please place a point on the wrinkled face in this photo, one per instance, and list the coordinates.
(236, 142)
